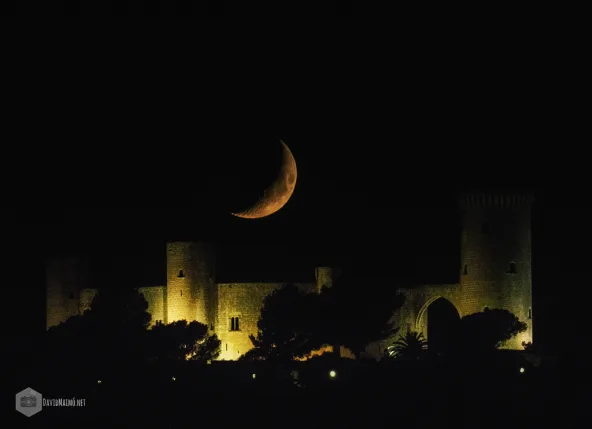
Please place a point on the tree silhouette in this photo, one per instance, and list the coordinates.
(411, 346)
(355, 319)
(488, 330)
(114, 333)
(111, 334)
(120, 312)
(285, 328)
(179, 341)
(293, 323)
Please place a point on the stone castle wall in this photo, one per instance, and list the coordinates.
(412, 316)
(86, 299)
(243, 300)
(155, 295)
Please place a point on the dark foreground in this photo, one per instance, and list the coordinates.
(470, 393)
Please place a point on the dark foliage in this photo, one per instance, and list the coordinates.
(179, 341)
(488, 330)
(355, 319)
(113, 336)
(285, 328)
(293, 323)
(411, 346)
(112, 333)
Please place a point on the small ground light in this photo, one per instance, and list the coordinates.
(521, 370)
(99, 381)
(254, 376)
(174, 378)
(332, 374)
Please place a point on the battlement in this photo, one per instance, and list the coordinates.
(495, 200)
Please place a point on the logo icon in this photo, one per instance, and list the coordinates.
(28, 402)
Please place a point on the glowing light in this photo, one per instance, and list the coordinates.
(174, 378)
(209, 361)
(332, 374)
(521, 370)
(254, 376)
(99, 381)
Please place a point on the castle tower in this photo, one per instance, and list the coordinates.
(191, 293)
(495, 269)
(64, 279)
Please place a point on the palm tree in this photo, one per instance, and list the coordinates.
(412, 345)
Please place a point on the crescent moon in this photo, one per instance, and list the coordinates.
(278, 193)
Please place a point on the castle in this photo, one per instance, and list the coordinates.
(494, 272)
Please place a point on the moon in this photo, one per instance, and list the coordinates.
(276, 195)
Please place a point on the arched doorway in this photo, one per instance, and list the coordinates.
(443, 320)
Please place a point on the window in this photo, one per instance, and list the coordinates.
(181, 275)
(234, 326)
(512, 269)
(529, 313)
(465, 271)
(485, 228)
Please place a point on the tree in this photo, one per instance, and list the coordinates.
(120, 310)
(488, 330)
(113, 335)
(285, 328)
(179, 341)
(110, 336)
(293, 323)
(355, 315)
(410, 346)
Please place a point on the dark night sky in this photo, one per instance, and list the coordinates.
(375, 191)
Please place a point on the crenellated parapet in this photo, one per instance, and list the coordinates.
(495, 200)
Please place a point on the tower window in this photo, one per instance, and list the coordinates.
(465, 270)
(234, 325)
(529, 313)
(512, 269)
(181, 275)
(485, 229)
(181, 293)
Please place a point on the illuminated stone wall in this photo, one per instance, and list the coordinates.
(65, 278)
(325, 276)
(86, 299)
(190, 282)
(413, 314)
(154, 295)
(243, 300)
